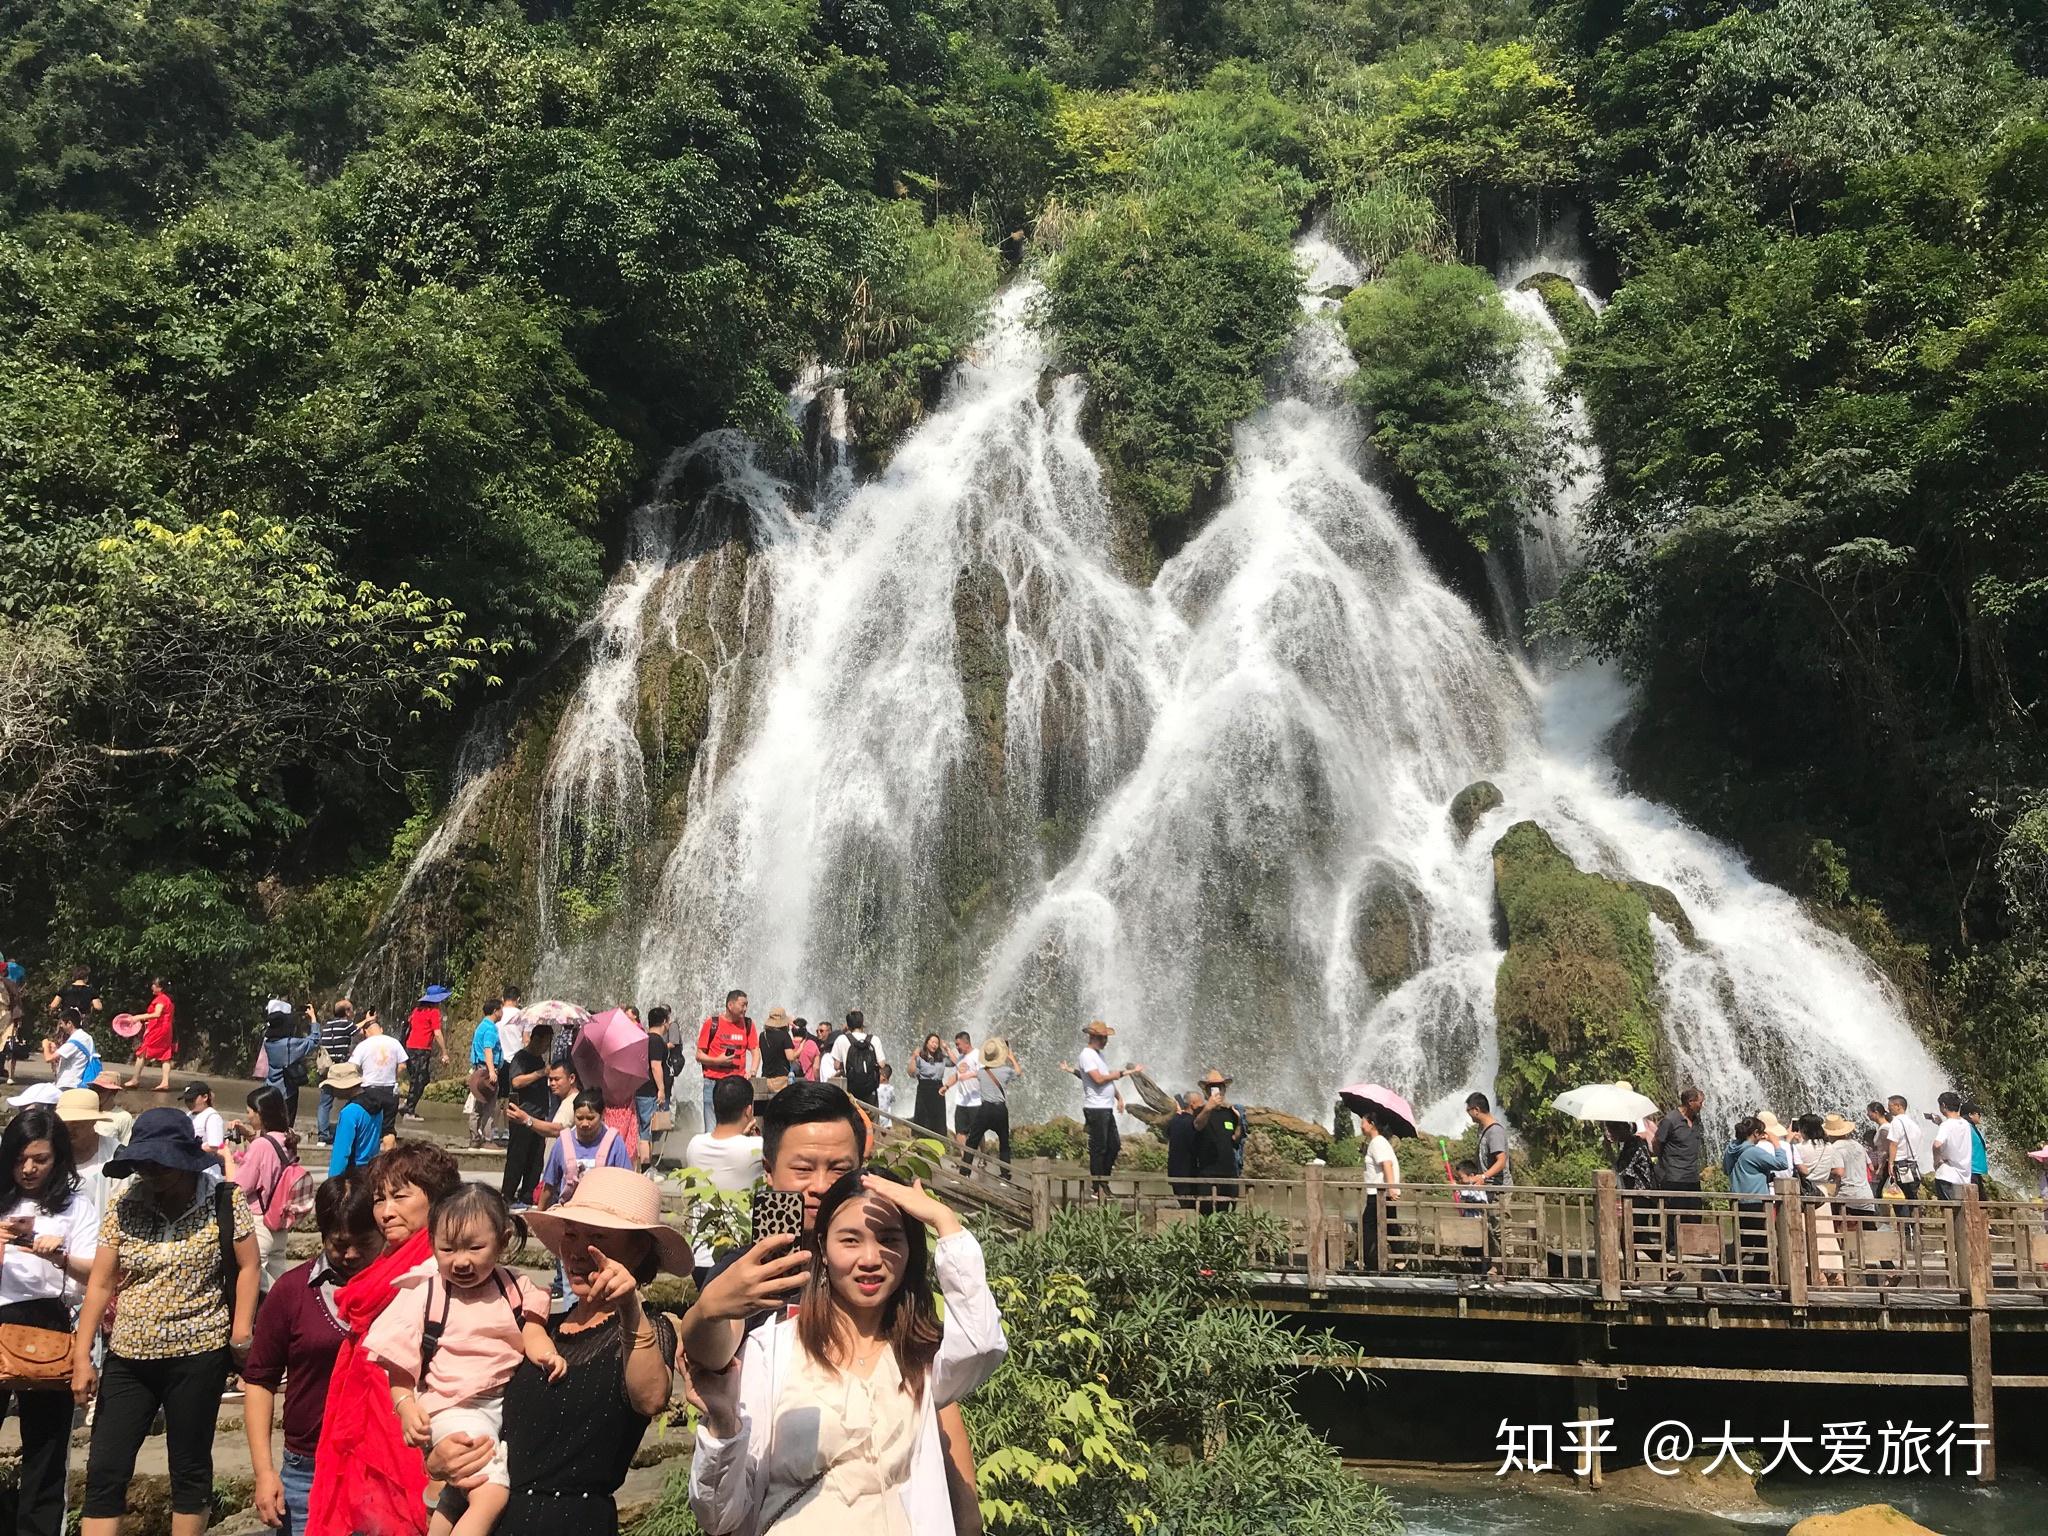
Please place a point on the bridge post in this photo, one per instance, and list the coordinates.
(1041, 1199)
(1791, 1218)
(1973, 1228)
(1608, 1237)
(1318, 1250)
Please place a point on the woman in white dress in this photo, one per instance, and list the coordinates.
(827, 1421)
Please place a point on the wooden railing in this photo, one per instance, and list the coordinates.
(1782, 1245)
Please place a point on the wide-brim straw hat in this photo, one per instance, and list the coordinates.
(1836, 1125)
(992, 1050)
(618, 1200)
(81, 1106)
(778, 1018)
(1097, 1029)
(1214, 1079)
(1770, 1123)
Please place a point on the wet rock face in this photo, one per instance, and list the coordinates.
(1471, 803)
(1391, 934)
(1667, 909)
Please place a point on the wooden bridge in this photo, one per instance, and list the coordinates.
(1593, 1288)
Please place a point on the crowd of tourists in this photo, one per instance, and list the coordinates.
(419, 1352)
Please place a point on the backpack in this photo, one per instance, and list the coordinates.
(92, 1062)
(571, 1170)
(291, 1195)
(432, 1327)
(863, 1071)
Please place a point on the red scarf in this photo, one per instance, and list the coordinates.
(378, 1487)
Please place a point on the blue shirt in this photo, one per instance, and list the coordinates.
(586, 1158)
(1979, 1163)
(485, 1039)
(1751, 1166)
(357, 1135)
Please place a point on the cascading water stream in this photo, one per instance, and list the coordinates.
(955, 766)
(823, 867)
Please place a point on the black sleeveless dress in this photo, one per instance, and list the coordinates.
(570, 1443)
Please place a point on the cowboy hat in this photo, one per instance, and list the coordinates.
(1835, 1125)
(619, 1200)
(163, 1138)
(992, 1050)
(77, 1106)
(1770, 1124)
(1214, 1079)
(1098, 1029)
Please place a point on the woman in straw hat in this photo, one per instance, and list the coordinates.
(569, 1443)
(998, 1070)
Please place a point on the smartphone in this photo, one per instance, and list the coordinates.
(778, 1212)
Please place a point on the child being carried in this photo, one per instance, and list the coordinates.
(454, 1334)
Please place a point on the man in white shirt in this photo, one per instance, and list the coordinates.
(965, 1085)
(207, 1123)
(1100, 1103)
(828, 1046)
(856, 1028)
(70, 1058)
(1906, 1149)
(378, 1057)
(730, 1152)
(1953, 1149)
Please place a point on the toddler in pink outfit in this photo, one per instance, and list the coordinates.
(454, 1334)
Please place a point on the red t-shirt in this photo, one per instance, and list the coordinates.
(420, 1027)
(719, 1036)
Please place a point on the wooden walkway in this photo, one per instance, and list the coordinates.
(1594, 1287)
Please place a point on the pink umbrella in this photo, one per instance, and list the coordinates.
(556, 1012)
(611, 1054)
(1393, 1114)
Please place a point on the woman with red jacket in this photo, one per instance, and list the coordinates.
(378, 1484)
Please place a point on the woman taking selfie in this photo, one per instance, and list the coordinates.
(379, 1485)
(827, 1422)
(180, 1249)
(49, 1232)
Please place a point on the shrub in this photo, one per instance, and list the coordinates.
(1437, 354)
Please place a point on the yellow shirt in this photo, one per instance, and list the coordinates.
(173, 1299)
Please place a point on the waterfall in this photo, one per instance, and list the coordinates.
(840, 860)
(950, 761)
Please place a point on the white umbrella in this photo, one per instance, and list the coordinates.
(1605, 1101)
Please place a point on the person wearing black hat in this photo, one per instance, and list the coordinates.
(180, 1247)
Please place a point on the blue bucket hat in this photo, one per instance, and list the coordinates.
(162, 1138)
(436, 994)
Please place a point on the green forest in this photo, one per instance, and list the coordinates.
(340, 337)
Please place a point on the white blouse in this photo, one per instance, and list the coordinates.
(27, 1276)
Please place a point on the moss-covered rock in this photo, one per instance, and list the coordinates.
(1471, 803)
(1575, 995)
(1390, 935)
(1669, 910)
(1568, 307)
